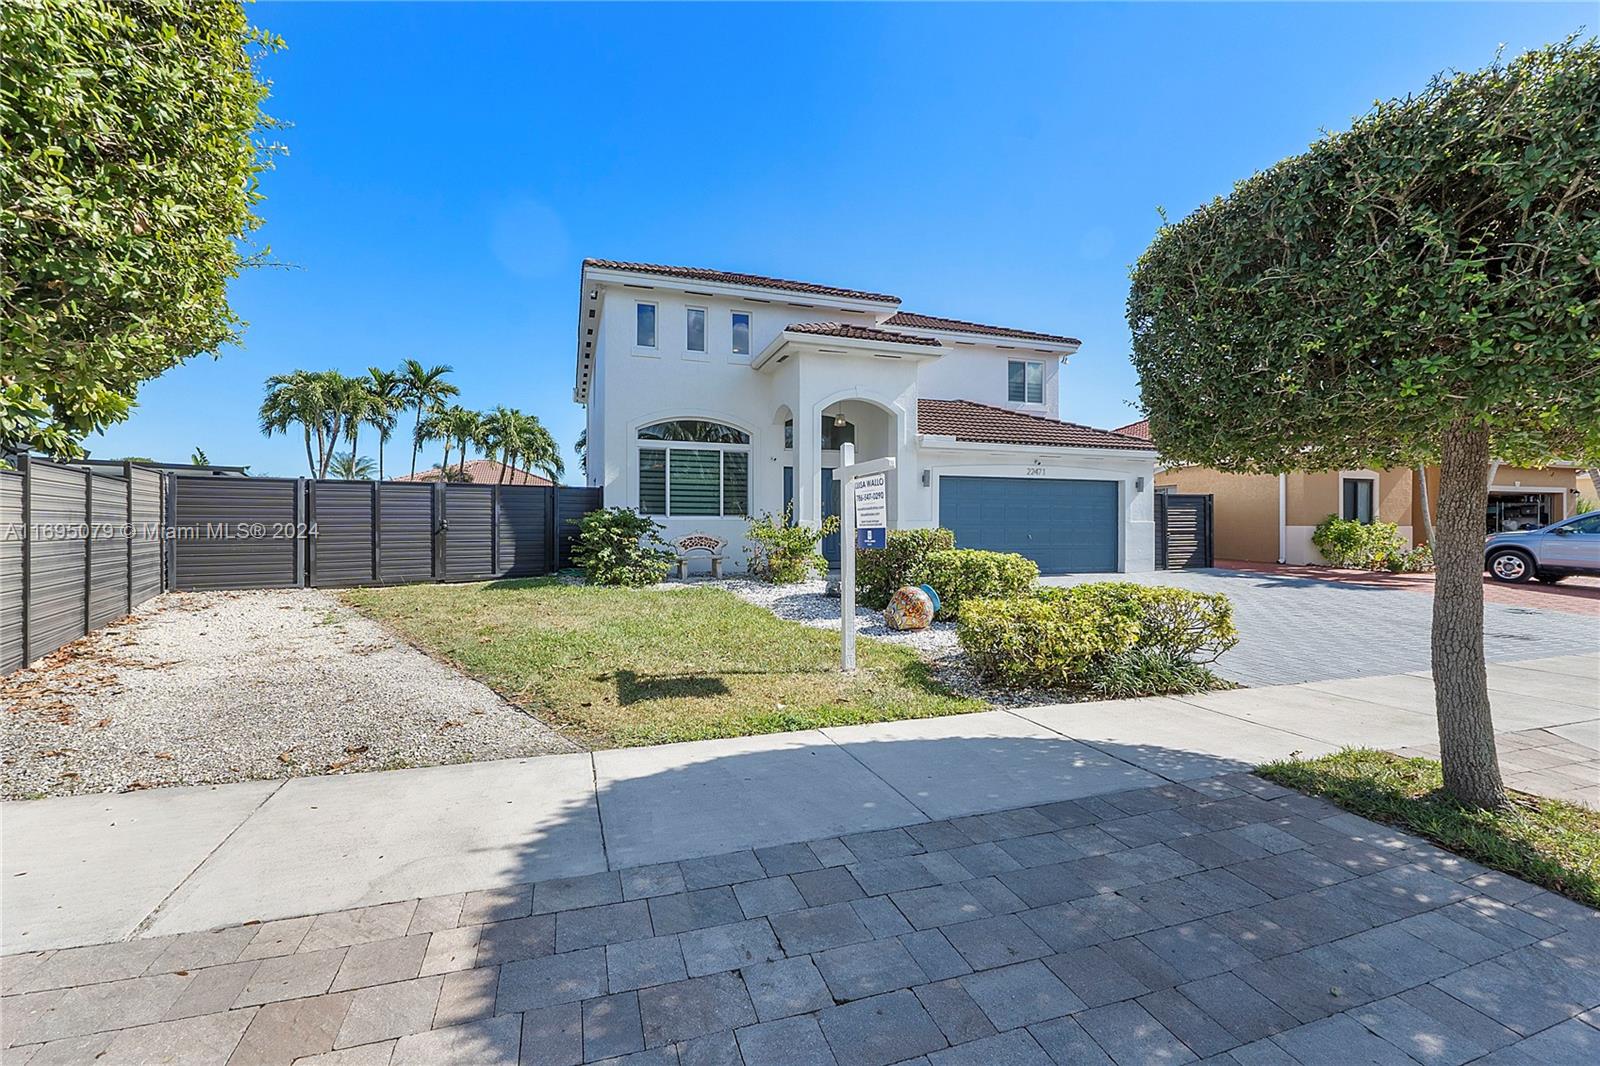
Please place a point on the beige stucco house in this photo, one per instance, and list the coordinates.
(1269, 518)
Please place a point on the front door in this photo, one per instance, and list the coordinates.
(830, 506)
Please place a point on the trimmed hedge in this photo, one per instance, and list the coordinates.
(1035, 641)
(962, 574)
(1115, 638)
(880, 571)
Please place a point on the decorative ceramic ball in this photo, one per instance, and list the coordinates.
(909, 608)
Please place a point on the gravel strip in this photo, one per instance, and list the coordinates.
(207, 687)
(809, 604)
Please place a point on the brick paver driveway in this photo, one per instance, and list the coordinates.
(1295, 628)
(1227, 917)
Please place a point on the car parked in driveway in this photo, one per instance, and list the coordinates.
(1561, 549)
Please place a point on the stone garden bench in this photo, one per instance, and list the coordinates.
(687, 546)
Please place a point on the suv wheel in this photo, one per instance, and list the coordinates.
(1511, 566)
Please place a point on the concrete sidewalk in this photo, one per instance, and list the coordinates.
(91, 869)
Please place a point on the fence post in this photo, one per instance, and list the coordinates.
(377, 528)
(441, 530)
(88, 544)
(552, 543)
(27, 549)
(494, 530)
(169, 510)
(127, 528)
(306, 576)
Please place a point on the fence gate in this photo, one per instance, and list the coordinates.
(236, 532)
(1183, 530)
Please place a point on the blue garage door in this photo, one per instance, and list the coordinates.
(1067, 527)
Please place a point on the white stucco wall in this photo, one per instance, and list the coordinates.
(633, 387)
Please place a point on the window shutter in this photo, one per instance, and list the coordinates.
(652, 481)
(696, 478)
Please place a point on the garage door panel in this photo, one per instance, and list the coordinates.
(1064, 525)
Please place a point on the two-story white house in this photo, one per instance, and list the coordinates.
(712, 396)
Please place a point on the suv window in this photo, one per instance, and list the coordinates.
(1589, 523)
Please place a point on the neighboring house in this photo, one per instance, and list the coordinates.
(712, 396)
(482, 472)
(181, 469)
(1269, 518)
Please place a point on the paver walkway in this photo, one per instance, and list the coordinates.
(1228, 920)
(88, 869)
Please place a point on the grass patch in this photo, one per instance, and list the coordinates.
(619, 667)
(1548, 842)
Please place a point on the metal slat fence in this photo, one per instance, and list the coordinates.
(82, 547)
(78, 549)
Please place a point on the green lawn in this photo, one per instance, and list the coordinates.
(1544, 841)
(619, 667)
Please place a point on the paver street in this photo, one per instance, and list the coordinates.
(1226, 919)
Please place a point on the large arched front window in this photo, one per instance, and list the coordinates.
(694, 467)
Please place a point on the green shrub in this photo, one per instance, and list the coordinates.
(1032, 641)
(1151, 639)
(880, 571)
(1410, 560)
(783, 553)
(962, 574)
(1363, 546)
(1180, 623)
(620, 546)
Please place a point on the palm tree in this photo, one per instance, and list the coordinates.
(459, 423)
(539, 450)
(423, 388)
(199, 458)
(582, 448)
(502, 430)
(296, 398)
(429, 427)
(385, 387)
(350, 467)
(356, 405)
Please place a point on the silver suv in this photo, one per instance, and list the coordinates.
(1561, 549)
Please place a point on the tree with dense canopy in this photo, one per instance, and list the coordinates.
(1422, 288)
(131, 134)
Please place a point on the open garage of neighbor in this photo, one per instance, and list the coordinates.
(1066, 526)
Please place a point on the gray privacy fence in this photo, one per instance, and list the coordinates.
(79, 548)
(82, 547)
(233, 533)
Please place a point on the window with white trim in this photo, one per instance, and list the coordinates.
(1357, 503)
(695, 332)
(1024, 381)
(694, 467)
(741, 332)
(644, 325)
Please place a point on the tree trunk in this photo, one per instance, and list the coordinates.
(1461, 685)
(1427, 507)
(311, 463)
(354, 451)
(414, 440)
(463, 458)
(383, 438)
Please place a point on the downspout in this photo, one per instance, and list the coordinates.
(1283, 518)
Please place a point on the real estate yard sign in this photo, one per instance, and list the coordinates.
(872, 511)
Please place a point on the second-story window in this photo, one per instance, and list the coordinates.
(1024, 381)
(696, 338)
(741, 333)
(645, 328)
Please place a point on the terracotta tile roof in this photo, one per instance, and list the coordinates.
(728, 278)
(1140, 429)
(483, 472)
(860, 333)
(915, 321)
(981, 423)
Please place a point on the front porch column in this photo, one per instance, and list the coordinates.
(807, 469)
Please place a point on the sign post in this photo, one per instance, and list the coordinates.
(863, 522)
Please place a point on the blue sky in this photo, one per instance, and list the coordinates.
(451, 164)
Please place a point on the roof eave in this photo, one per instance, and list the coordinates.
(945, 442)
(990, 340)
(845, 345)
(738, 291)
